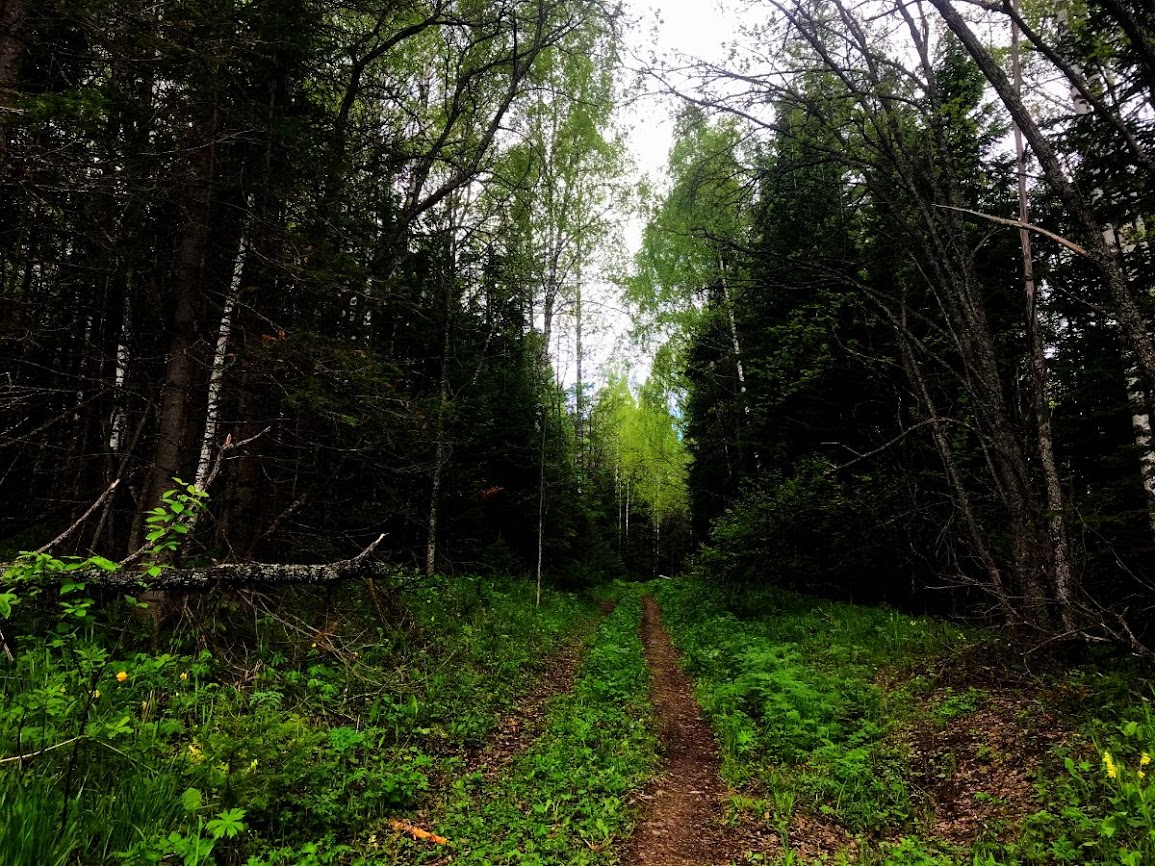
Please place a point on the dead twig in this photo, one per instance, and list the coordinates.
(80, 520)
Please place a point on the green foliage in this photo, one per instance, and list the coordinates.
(179, 757)
(639, 438)
(691, 234)
(169, 522)
(790, 685)
(195, 844)
(780, 528)
(1100, 805)
(791, 693)
(566, 799)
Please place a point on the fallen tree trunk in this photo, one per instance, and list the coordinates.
(234, 574)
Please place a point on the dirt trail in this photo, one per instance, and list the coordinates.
(681, 821)
(524, 721)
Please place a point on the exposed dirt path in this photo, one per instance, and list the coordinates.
(515, 732)
(681, 824)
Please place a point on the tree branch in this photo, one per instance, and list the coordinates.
(1019, 224)
(236, 574)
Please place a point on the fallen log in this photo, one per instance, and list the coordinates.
(237, 574)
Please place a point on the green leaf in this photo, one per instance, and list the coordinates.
(191, 799)
(227, 824)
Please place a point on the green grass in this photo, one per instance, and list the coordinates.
(260, 738)
(808, 726)
(566, 799)
(315, 732)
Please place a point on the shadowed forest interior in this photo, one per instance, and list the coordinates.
(351, 367)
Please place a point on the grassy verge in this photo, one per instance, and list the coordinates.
(566, 800)
(855, 734)
(289, 735)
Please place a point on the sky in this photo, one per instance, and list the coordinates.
(665, 29)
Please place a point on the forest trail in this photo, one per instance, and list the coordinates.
(522, 723)
(681, 822)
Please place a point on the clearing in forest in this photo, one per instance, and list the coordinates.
(470, 727)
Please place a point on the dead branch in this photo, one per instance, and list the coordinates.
(235, 574)
(95, 505)
(1019, 224)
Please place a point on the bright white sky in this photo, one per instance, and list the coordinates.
(663, 30)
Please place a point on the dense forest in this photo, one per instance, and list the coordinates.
(326, 519)
(905, 265)
(317, 257)
(312, 257)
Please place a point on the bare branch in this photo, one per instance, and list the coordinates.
(95, 505)
(1019, 224)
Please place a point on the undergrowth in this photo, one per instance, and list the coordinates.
(807, 727)
(566, 800)
(261, 732)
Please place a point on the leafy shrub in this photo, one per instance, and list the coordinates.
(301, 742)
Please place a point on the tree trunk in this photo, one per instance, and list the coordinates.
(217, 374)
(175, 437)
(230, 575)
(996, 586)
(1139, 401)
(540, 508)
(1062, 574)
(739, 365)
(579, 418)
(1099, 252)
(440, 455)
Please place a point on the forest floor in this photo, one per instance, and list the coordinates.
(681, 821)
(657, 725)
(689, 819)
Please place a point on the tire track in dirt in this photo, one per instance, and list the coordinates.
(681, 822)
(522, 723)
(519, 725)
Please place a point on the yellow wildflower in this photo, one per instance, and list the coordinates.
(1112, 772)
(184, 676)
(1144, 760)
(96, 695)
(121, 677)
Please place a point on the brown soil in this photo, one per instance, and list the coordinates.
(978, 769)
(681, 823)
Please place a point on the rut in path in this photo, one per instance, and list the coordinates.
(521, 725)
(681, 821)
(518, 727)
